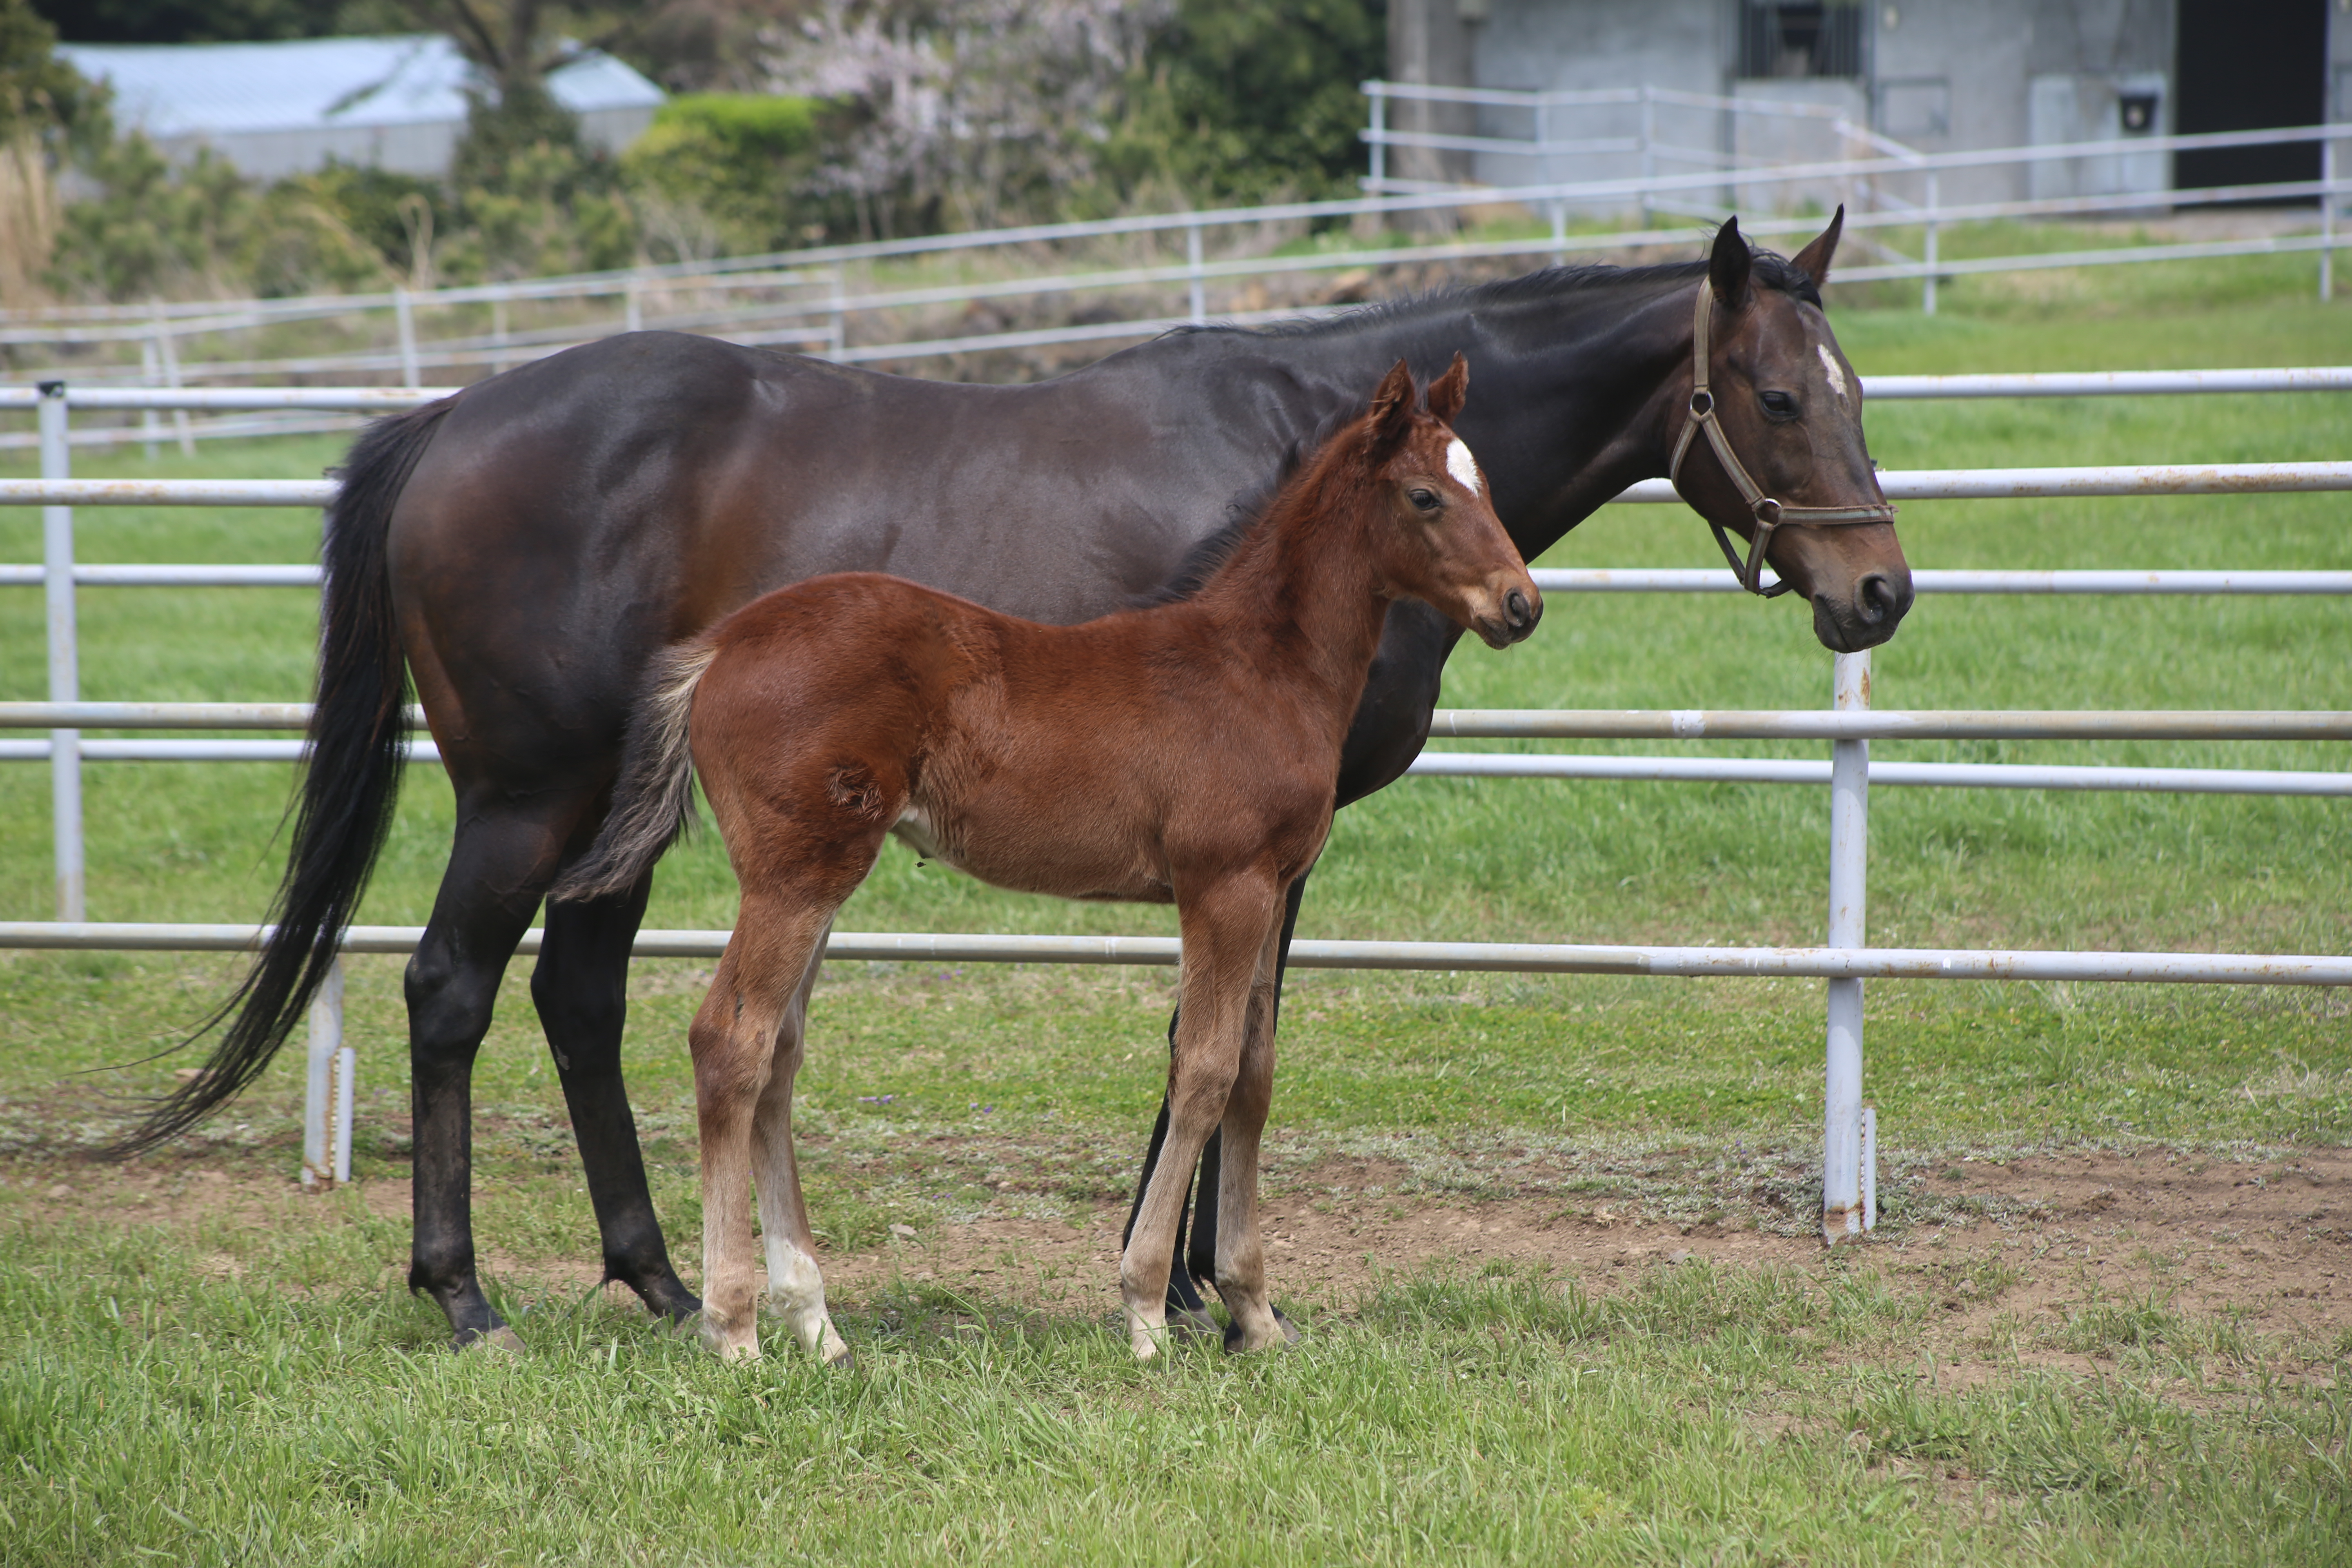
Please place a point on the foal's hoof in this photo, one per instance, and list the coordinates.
(1237, 1340)
(499, 1342)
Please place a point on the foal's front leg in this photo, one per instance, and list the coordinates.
(1240, 1269)
(795, 1286)
(1225, 926)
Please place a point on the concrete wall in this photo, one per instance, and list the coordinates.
(1942, 75)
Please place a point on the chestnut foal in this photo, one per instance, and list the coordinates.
(1186, 751)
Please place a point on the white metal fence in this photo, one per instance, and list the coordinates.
(822, 299)
(1844, 959)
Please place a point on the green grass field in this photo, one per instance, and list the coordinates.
(215, 1371)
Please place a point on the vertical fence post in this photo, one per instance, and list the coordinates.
(1200, 299)
(1844, 1211)
(1379, 107)
(2326, 217)
(840, 326)
(633, 306)
(327, 1094)
(1927, 290)
(150, 370)
(1649, 153)
(65, 661)
(499, 332)
(167, 349)
(404, 315)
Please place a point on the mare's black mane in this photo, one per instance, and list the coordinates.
(1772, 270)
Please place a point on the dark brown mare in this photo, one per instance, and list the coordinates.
(528, 546)
(1183, 753)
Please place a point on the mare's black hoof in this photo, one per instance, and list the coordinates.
(496, 1340)
(1189, 1321)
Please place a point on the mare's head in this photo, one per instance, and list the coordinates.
(1434, 536)
(1790, 407)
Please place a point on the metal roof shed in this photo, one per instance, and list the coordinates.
(278, 109)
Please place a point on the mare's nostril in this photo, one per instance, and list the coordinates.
(1878, 599)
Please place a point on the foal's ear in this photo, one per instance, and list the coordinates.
(1392, 414)
(1815, 257)
(1447, 393)
(1728, 266)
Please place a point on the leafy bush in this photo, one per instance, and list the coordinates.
(738, 161)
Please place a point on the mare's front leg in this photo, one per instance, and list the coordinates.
(499, 866)
(1240, 1260)
(775, 947)
(581, 986)
(795, 1286)
(1226, 925)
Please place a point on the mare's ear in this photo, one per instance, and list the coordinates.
(1392, 414)
(1815, 257)
(1729, 265)
(1447, 393)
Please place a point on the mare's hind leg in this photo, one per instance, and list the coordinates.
(1240, 1260)
(1225, 927)
(735, 1036)
(499, 866)
(581, 986)
(795, 1286)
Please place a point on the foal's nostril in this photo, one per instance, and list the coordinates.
(1515, 605)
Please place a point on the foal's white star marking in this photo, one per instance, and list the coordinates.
(1830, 363)
(1463, 467)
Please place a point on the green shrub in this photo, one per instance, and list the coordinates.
(738, 161)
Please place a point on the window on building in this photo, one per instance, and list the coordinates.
(1799, 40)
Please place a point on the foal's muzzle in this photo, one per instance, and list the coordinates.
(1520, 608)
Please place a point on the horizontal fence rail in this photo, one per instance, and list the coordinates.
(1917, 484)
(1515, 958)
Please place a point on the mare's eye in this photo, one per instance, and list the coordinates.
(1424, 499)
(1779, 405)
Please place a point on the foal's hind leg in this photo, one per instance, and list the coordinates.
(795, 1286)
(581, 986)
(1240, 1264)
(735, 1034)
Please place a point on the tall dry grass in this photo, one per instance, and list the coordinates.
(28, 223)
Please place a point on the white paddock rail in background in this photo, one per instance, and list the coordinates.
(1849, 1127)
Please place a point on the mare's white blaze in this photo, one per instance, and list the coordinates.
(1463, 466)
(1830, 363)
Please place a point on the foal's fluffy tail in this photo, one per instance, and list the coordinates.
(652, 803)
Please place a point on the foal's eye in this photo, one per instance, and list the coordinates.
(1779, 405)
(1424, 499)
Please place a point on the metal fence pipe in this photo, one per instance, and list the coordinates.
(1803, 771)
(253, 576)
(1888, 725)
(166, 492)
(1842, 1208)
(418, 751)
(1517, 958)
(2105, 384)
(1716, 580)
(64, 659)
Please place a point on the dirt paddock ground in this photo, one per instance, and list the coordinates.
(2265, 1244)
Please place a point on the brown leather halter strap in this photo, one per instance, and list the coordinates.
(1769, 515)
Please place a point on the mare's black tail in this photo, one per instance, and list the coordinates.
(348, 791)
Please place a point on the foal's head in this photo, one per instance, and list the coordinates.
(1436, 537)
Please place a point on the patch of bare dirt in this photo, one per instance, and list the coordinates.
(2264, 1244)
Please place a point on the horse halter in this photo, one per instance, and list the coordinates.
(1769, 515)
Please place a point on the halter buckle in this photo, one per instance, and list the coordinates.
(1768, 511)
(1702, 403)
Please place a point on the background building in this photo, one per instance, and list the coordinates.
(277, 108)
(1939, 75)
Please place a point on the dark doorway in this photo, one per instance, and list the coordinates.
(2246, 66)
